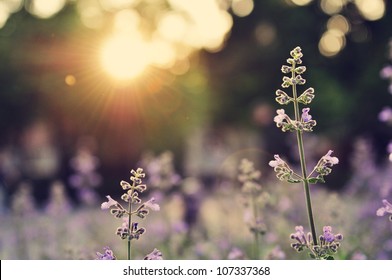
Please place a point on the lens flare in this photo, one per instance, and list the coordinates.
(124, 56)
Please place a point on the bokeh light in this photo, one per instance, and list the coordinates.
(331, 42)
(331, 7)
(339, 23)
(371, 9)
(242, 8)
(44, 8)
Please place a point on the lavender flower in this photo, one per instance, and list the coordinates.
(154, 255)
(283, 170)
(323, 167)
(107, 255)
(299, 124)
(386, 209)
(328, 246)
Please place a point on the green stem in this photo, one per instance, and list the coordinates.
(129, 227)
(303, 164)
(256, 233)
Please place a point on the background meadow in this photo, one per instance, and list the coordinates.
(90, 89)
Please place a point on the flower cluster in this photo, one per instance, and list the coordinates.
(328, 246)
(386, 209)
(130, 229)
(303, 122)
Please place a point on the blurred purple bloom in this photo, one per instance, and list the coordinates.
(107, 255)
(111, 202)
(389, 147)
(152, 204)
(385, 115)
(386, 72)
(386, 209)
(154, 255)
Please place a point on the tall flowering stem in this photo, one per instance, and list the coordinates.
(297, 58)
(130, 229)
(301, 123)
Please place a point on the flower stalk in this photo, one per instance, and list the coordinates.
(300, 124)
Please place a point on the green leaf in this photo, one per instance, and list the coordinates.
(312, 256)
(294, 181)
(315, 180)
(329, 258)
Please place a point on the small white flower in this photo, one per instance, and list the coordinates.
(111, 202)
(278, 161)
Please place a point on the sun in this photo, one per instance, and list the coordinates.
(124, 56)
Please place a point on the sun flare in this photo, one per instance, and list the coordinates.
(124, 57)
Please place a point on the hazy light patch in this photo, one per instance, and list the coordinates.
(242, 8)
(162, 53)
(371, 9)
(172, 26)
(127, 20)
(111, 5)
(265, 34)
(4, 14)
(91, 16)
(13, 5)
(210, 24)
(44, 8)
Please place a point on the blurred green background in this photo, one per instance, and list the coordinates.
(153, 75)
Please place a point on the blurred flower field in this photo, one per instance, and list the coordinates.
(197, 221)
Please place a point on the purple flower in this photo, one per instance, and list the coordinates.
(107, 255)
(305, 115)
(386, 209)
(385, 115)
(386, 72)
(389, 147)
(154, 255)
(329, 237)
(303, 240)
